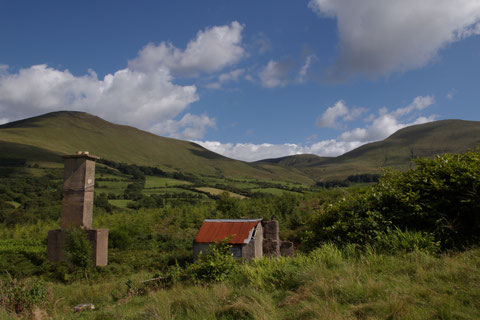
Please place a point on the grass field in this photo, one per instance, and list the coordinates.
(274, 191)
(169, 190)
(119, 203)
(116, 187)
(216, 192)
(160, 182)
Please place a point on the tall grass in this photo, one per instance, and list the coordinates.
(328, 283)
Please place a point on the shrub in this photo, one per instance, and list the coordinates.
(213, 266)
(78, 249)
(19, 297)
(440, 196)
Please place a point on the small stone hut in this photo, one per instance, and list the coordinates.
(249, 238)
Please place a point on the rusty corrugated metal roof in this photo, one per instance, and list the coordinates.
(217, 230)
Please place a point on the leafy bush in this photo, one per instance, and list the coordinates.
(78, 249)
(440, 196)
(213, 266)
(120, 239)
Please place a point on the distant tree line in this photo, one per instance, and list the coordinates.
(356, 178)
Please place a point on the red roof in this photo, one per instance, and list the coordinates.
(217, 230)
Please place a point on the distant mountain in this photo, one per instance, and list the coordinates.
(47, 137)
(297, 161)
(397, 151)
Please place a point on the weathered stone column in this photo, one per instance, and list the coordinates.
(271, 238)
(77, 209)
(78, 185)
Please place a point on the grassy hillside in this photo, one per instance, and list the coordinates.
(48, 136)
(397, 151)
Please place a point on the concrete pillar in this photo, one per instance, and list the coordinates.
(77, 209)
(271, 238)
(78, 186)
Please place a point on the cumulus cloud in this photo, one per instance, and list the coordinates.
(143, 95)
(213, 49)
(189, 127)
(275, 74)
(127, 96)
(254, 152)
(386, 123)
(380, 37)
(380, 127)
(339, 110)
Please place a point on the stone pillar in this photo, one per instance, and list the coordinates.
(77, 209)
(271, 239)
(78, 185)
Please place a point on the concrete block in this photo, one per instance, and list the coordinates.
(270, 230)
(99, 240)
(77, 209)
(271, 248)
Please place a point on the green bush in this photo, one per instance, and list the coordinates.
(440, 196)
(213, 266)
(78, 249)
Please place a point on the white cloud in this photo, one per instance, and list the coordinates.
(389, 122)
(189, 127)
(419, 103)
(255, 152)
(339, 110)
(382, 126)
(143, 95)
(275, 74)
(302, 74)
(381, 37)
(128, 97)
(233, 75)
(451, 94)
(212, 49)
(4, 120)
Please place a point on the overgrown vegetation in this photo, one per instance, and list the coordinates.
(439, 198)
(403, 248)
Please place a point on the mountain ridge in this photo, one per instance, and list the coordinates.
(48, 136)
(64, 132)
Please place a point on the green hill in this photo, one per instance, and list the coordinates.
(397, 151)
(47, 137)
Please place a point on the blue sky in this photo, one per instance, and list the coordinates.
(247, 79)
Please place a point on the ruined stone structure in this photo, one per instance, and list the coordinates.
(77, 209)
(249, 239)
(272, 245)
